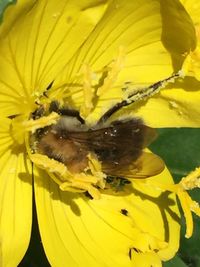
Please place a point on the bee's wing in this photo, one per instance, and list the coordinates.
(147, 164)
(120, 136)
(119, 148)
(125, 133)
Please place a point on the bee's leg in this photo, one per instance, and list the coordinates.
(34, 124)
(47, 89)
(71, 113)
(139, 95)
(55, 107)
(67, 181)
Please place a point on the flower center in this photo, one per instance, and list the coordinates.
(48, 134)
(82, 156)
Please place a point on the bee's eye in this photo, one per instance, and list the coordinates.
(38, 113)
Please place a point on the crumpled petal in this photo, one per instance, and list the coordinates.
(85, 232)
(15, 199)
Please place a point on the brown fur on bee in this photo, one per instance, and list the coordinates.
(117, 144)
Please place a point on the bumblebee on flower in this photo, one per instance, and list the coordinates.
(85, 54)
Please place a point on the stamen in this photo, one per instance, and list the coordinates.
(185, 202)
(94, 192)
(92, 178)
(140, 95)
(88, 92)
(192, 180)
(116, 67)
(192, 62)
(146, 242)
(188, 205)
(44, 162)
(79, 182)
(88, 180)
(154, 88)
(33, 125)
(96, 170)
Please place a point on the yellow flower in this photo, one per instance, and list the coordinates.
(192, 64)
(73, 46)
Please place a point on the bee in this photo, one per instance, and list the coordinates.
(119, 145)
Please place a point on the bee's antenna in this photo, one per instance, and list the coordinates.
(139, 95)
(47, 89)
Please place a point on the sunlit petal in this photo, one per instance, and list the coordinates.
(15, 199)
(104, 232)
(174, 107)
(149, 259)
(144, 33)
(192, 64)
(138, 27)
(192, 7)
(36, 42)
(66, 45)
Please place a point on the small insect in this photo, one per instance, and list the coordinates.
(118, 145)
(124, 212)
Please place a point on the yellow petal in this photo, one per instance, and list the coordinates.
(37, 41)
(15, 200)
(178, 106)
(193, 8)
(137, 26)
(173, 107)
(146, 259)
(168, 208)
(192, 64)
(85, 232)
(178, 31)
(143, 30)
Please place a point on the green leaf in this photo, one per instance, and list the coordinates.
(3, 6)
(190, 248)
(175, 262)
(180, 149)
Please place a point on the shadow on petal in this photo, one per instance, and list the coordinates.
(176, 22)
(163, 202)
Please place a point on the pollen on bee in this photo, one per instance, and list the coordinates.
(82, 155)
(72, 168)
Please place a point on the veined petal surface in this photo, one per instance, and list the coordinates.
(85, 232)
(138, 27)
(143, 30)
(15, 199)
(46, 41)
(43, 39)
(37, 39)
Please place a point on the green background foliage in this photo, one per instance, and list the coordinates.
(180, 149)
(3, 5)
